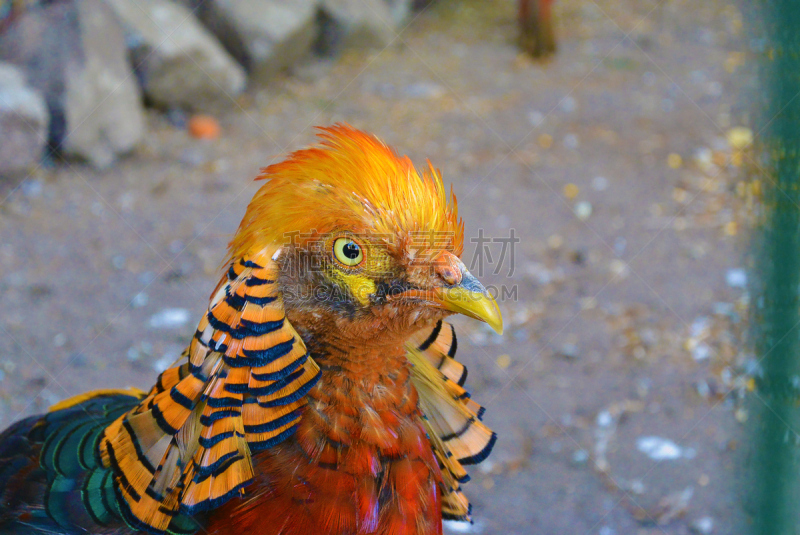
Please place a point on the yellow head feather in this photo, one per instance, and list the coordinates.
(351, 181)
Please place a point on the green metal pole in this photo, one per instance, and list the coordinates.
(776, 454)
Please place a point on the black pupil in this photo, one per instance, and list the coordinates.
(351, 250)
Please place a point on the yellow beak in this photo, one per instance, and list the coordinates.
(470, 298)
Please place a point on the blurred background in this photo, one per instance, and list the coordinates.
(598, 149)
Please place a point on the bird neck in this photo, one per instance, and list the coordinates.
(364, 389)
(357, 357)
(364, 372)
(368, 374)
(367, 352)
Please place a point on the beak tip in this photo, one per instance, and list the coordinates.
(494, 319)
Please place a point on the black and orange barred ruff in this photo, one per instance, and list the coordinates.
(186, 447)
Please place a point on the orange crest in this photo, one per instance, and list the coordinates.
(350, 181)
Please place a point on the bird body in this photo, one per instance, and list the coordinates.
(319, 394)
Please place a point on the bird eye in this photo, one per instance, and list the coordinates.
(348, 252)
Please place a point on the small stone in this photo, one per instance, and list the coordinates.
(568, 104)
(170, 318)
(555, 241)
(583, 210)
(163, 363)
(604, 419)
(700, 327)
(659, 449)
(486, 466)
(118, 261)
(569, 351)
(702, 526)
(535, 118)
(731, 228)
(674, 161)
(503, 361)
(736, 278)
(571, 191)
(423, 90)
(459, 527)
(599, 183)
(31, 187)
(680, 195)
(545, 141)
(133, 354)
(619, 268)
(740, 415)
(636, 486)
(60, 340)
(733, 61)
(704, 158)
(571, 141)
(703, 480)
(740, 137)
(620, 244)
(580, 456)
(723, 309)
(701, 352)
(139, 300)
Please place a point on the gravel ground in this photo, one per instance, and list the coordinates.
(616, 388)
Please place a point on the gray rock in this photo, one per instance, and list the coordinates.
(360, 23)
(178, 61)
(266, 36)
(73, 52)
(23, 122)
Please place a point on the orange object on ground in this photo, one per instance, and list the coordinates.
(204, 127)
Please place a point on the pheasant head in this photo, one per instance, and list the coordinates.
(370, 247)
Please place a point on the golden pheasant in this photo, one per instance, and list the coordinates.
(319, 394)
